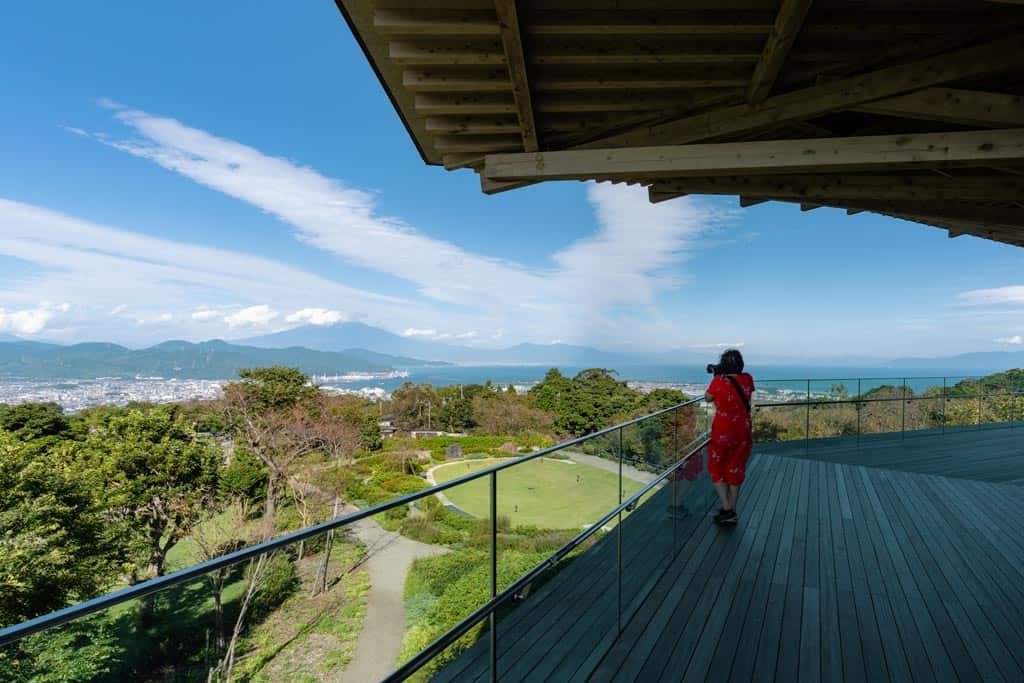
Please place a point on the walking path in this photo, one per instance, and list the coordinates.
(389, 556)
(628, 471)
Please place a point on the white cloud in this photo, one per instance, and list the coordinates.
(253, 316)
(315, 316)
(413, 332)
(160, 319)
(994, 296)
(1015, 339)
(87, 265)
(203, 314)
(627, 262)
(27, 321)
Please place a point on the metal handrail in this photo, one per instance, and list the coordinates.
(16, 632)
(824, 400)
(445, 640)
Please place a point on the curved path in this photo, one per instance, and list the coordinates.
(389, 555)
(628, 471)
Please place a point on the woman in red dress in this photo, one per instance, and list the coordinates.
(731, 441)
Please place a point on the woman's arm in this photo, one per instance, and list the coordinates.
(708, 397)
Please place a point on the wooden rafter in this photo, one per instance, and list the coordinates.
(787, 26)
(853, 187)
(979, 60)
(512, 43)
(775, 156)
(965, 107)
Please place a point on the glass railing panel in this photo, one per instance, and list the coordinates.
(568, 614)
(646, 540)
(962, 406)
(923, 413)
(437, 560)
(779, 423)
(546, 502)
(882, 408)
(252, 619)
(831, 413)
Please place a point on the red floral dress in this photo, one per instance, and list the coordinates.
(731, 439)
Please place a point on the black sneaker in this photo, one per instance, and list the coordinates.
(726, 517)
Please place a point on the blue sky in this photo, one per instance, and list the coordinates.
(199, 170)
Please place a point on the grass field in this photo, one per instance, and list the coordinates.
(551, 494)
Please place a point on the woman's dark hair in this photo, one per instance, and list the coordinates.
(731, 362)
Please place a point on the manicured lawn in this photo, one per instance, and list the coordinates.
(551, 494)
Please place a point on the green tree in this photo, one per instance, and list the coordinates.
(55, 543)
(412, 406)
(161, 477)
(29, 421)
(269, 410)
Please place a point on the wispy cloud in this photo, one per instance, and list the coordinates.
(630, 259)
(91, 264)
(203, 314)
(1015, 339)
(993, 297)
(161, 319)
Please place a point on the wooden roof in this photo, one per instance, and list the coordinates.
(909, 108)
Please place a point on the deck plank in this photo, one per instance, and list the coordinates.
(899, 560)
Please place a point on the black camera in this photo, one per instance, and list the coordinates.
(714, 369)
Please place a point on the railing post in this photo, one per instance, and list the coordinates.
(807, 426)
(494, 574)
(673, 483)
(618, 547)
(903, 417)
(858, 407)
(979, 408)
(943, 406)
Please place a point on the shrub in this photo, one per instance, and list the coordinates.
(280, 581)
(245, 478)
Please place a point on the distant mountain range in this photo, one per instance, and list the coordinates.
(356, 347)
(180, 359)
(982, 361)
(357, 335)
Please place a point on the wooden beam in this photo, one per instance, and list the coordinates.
(995, 217)
(455, 161)
(511, 40)
(628, 101)
(434, 22)
(417, 80)
(432, 53)
(980, 60)
(700, 76)
(472, 125)
(609, 52)
(885, 186)
(477, 143)
(967, 107)
(774, 156)
(751, 201)
(991, 218)
(436, 104)
(809, 207)
(646, 23)
(787, 26)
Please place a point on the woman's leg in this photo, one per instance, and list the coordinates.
(722, 489)
(733, 496)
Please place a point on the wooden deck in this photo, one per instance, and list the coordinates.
(836, 572)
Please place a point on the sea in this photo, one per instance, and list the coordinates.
(774, 382)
